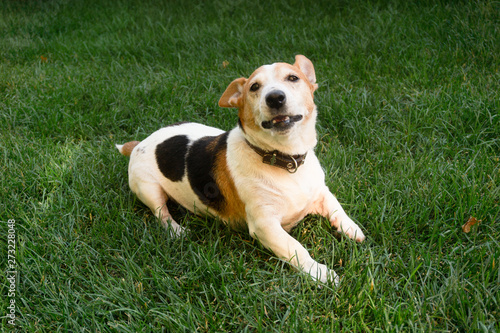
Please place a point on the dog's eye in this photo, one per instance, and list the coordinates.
(254, 87)
(292, 78)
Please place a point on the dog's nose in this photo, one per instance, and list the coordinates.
(276, 99)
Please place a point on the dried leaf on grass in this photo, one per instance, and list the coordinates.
(470, 222)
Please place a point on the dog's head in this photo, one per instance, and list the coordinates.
(276, 105)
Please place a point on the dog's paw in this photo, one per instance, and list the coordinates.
(323, 274)
(174, 229)
(348, 227)
(177, 232)
(354, 232)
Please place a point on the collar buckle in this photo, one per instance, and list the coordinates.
(292, 168)
(276, 158)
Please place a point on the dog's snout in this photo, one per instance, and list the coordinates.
(275, 99)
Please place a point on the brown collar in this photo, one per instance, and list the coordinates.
(276, 158)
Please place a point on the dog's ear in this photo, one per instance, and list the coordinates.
(232, 97)
(306, 66)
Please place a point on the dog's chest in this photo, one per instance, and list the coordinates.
(298, 196)
(275, 193)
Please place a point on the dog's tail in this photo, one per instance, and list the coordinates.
(126, 148)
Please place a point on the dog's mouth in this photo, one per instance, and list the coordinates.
(282, 122)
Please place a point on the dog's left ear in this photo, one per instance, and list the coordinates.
(306, 66)
(232, 97)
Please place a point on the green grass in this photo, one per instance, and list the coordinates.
(409, 129)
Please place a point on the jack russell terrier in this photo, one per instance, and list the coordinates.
(263, 174)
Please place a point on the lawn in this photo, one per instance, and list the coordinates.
(409, 137)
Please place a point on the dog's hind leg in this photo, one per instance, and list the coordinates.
(153, 196)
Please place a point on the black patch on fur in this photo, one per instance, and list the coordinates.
(171, 157)
(201, 166)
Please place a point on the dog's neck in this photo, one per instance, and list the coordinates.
(292, 144)
(291, 163)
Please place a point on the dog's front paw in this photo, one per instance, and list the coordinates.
(348, 227)
(354, 232)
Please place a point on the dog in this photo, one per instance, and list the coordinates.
(262, 175)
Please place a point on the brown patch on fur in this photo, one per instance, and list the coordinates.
(231, 98)
(306, 68)
(127, 148)
(310, 105)
(247, 119)
(234, 210)
(245, 113)
(234, 97)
